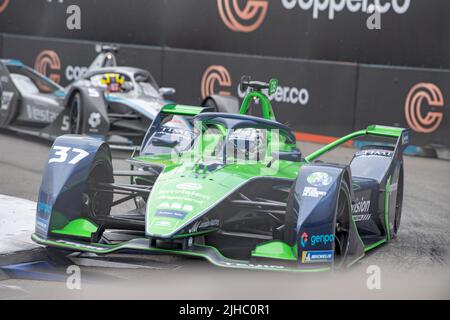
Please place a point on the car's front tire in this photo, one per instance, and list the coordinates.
(75, 114)
(342, 226)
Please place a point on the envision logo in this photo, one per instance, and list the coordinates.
(3, 5)
(334, 6)
(247, 19)
(48, 63)
(418, 96)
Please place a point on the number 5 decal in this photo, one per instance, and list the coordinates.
(62, 153)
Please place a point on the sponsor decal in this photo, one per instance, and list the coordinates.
(303, 239)
(82, 246)
(175, 131)
(374, 153)
(319, 179)
(6, 100)
(204, 225)
(178, 194)
(191, 186)
(405, 137)
(285, 94)
(41, 115)
(353, 6)
(253, 266)
(313, 192)
(3, 5)
(171, 214)
(213, 76)
(314, 240)
(93, 93)
(418, 117)
(75, 72)
(210, 223)
(44, 208)
(49, 64)
(216, 79)
(175, 206)
(361, 206)
(362, 217)
(161, 223)
(94, 120)
(317, 256)
(246, 19)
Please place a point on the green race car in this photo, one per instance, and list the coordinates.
(231, 188)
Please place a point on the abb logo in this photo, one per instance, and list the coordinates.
(247, 19)
(420, 95)
(48, 63)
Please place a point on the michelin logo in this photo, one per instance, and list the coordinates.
(317, 256)
(353, 6)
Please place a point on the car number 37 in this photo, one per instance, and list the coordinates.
(66, 154)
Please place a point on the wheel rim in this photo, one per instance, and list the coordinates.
(341, 233)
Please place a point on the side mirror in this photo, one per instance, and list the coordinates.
(167, 92)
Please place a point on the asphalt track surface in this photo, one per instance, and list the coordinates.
(414, 265)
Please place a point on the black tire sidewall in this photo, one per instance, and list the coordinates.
(78, 126)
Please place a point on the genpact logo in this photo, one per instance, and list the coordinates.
(303, 239)
(414, 105)
(3, 5)
(213, 76)
(322, 239)
(48, 63)
(247, 19)
(334, 6)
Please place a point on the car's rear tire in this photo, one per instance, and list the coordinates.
(342, 226)
(75, 114)
(225, 104)
(398, 202)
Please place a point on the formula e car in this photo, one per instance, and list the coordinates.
(110, 101)
(231, 188)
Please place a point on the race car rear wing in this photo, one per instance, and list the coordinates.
(183, 110)
(401, 134)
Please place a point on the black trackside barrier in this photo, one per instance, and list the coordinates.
(133, 21)
(413, 32)
(66, 60)
(311, 97)
(406, 97)
(317, 97)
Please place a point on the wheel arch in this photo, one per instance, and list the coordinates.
(312, 212)
(64, 181)
(92, 101)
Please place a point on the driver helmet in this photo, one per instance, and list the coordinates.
(113, 81)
